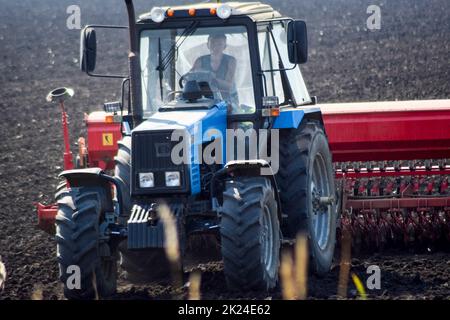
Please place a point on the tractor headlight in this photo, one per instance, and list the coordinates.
(146, 180)
(173, 179)
(224, 11)
(157, 14)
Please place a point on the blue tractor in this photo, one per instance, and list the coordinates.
(221, 130)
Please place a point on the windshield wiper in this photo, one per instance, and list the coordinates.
(161, 72)
(187, 32)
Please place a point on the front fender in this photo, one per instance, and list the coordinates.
(95, 177)
(251, 168)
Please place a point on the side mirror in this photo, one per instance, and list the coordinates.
(297, 42)
(88, 49)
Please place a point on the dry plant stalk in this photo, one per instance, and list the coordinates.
(286, 273)
(301, 266)
(172, 245)
(194, 287)
(294, 276)
(346, 244)
(94, 284)
(2, 275)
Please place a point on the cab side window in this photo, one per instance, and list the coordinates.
(272, 41)
(269, 61)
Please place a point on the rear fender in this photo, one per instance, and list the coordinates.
(95, 177)
(291, 118)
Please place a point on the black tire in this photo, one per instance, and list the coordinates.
(301, 152)
(61, 189)
(78, 243)
(249, 206)
(122, 170)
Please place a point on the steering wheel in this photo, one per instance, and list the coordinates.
(199, 76)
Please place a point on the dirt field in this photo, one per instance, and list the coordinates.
(407, 59)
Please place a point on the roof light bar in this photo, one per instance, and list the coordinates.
(157, 14)
(224, 11)
(170, 12)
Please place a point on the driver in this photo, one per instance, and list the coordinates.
(222, 67)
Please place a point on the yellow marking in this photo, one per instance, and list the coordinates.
(107, 139)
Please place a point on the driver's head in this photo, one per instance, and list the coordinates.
(217, 43)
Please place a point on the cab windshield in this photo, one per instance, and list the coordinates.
(214, 62)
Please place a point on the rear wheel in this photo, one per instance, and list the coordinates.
(250, 234)
(308, 196)
(80, 246)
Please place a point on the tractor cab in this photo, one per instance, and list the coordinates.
(196, 55)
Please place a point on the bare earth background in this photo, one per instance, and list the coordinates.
(407, 59)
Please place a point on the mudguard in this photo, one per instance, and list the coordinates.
(250, 168)
(95, 177)
(290, 118)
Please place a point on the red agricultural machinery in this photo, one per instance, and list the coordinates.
(104, 130)
(392, 164)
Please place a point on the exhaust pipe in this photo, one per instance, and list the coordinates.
(134, 65)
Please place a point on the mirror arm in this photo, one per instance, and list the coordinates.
(110, 76)
(124, 81)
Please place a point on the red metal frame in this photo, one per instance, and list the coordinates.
(68, 158)
(47, 216)
(387, 203)
(47, 213)
(390, 172)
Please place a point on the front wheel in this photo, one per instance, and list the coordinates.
(250, 234)
(79, 247)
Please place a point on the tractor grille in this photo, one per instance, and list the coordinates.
(151, 152)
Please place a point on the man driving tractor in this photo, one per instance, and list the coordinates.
(221, 65)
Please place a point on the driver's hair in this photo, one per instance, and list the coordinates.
(217, 36)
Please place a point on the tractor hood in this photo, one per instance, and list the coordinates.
(154, 139)
(213, 117)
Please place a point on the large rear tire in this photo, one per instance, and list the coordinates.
(304, 178)
(79, 244)
(250, 234)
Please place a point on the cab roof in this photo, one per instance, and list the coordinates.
(257, 11)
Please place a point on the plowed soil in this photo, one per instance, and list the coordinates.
(407, 59)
